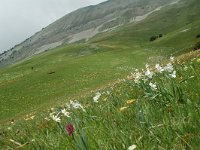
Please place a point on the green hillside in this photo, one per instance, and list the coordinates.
(171, 21)
(99, 95)
(70, 71)
(158, 112)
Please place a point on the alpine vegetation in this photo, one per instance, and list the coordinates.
(155, 107)
(82, 84)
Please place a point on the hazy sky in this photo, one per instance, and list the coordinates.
(19, 19)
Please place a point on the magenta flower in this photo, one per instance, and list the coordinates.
(70, 129)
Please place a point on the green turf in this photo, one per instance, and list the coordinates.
(127, 113)
(24, 89)
(165, 118)
(80, 68)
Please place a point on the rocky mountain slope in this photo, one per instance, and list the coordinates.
(82, 24)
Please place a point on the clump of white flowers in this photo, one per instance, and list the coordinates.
(65, 112)
(96, 97)
(137, 76)
(173, 75)
(75, 105)
(54, 117)
(169, 67)
(149, 73)
(159, 68)
(153, 86)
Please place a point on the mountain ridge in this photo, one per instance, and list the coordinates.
(81, 25)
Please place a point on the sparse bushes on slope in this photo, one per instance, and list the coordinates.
(198, 36)
(160, 35)
(154, 37)
(197, 46)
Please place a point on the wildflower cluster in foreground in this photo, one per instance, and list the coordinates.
(72, 105)
(146, 77)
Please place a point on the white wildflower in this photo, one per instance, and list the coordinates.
(67, 105)
(96, 97)
(147, 66)
(137, 76)
(173, 75)
(132, 147)
(76, 105)
(169, 67)
(185, 68)
(192, 77)
(153, 86)
(172, 59)
(55, 118)
(32, 117)
(46, 118)
(51, 114)
(148, 73)
(65, 113)
(159, 68)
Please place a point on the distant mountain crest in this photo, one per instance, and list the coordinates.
(83, 24)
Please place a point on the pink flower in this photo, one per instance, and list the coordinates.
(70, 129)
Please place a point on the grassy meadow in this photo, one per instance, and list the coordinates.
(77, 69)
(95, 89)
(149, 110)
(73, 70)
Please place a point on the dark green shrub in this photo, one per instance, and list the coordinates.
(198, 36)
(160, 35)
(153, 38)
(197, 46)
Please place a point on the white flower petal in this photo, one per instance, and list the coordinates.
(148, 73)
(132, 147)
(56, 118)
(173, 75)
(153, 86)
(159, 68)
(169, 67)
(65, 113)
(96, 97)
